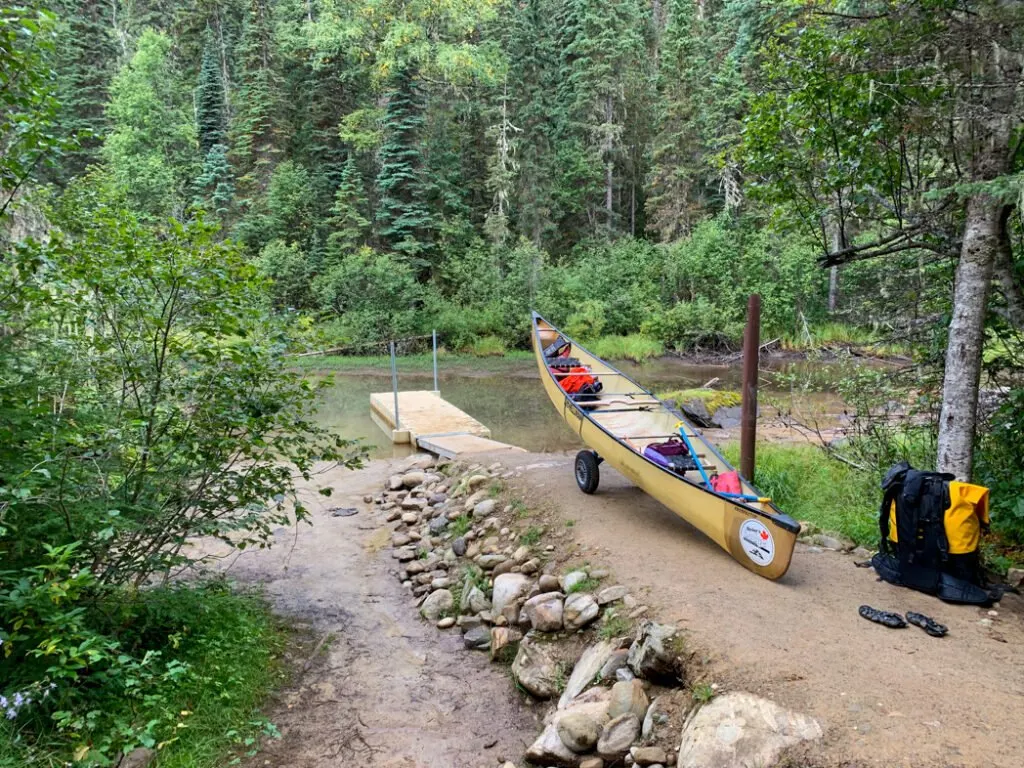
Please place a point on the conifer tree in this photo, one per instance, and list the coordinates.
(211, 117)
(348, 222)
(403, 220)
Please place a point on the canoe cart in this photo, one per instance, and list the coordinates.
(657, 449)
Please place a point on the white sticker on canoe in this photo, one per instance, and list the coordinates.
(757, 542)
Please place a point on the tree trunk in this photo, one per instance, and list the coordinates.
(609, 163)
(966, 332)
(1006, 279)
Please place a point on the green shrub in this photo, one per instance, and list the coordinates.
(488, 346)
(635, 347)
(696, 324)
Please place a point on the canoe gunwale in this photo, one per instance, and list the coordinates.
(778, 517)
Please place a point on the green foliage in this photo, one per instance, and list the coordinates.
(702, 693)
(613, 625)
(531, 535)
(460, 525)
(586, 585)
(151, 149)
(635, 347)
(1000, 467)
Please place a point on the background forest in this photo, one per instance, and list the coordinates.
(191, 189)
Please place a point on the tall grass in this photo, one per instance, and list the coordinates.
(635, 347)
(807, 485)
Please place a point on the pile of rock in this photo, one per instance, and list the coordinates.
(469, 568)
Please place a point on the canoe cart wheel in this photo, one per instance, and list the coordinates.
(587, 473)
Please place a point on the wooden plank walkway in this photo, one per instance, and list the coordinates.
(430, 422)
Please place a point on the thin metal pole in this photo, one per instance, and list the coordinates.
(436, 388)
(748, 418)
(394, 384)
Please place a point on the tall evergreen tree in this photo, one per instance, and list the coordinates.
(349, 223)
(211, 110)
(403, 220)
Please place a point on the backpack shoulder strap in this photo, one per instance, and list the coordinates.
(891, 492)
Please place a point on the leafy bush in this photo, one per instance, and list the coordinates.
(635, 347)
(1000, 467)
(289, 272)
(697, 324)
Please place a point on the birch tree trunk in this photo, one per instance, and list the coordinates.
(958, 419)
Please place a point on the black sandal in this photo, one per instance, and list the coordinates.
(885, 618)
(929, 625)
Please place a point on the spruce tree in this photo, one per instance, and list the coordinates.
(349, 224)
(403, 220)
(211, 117)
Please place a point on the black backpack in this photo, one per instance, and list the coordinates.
(919, 557)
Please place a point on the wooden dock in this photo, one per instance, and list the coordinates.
(431, 423)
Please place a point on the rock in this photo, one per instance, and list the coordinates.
(508, 587)
(368, 499)
(484, 508)
(412, 479)
(410, 518)
(403, 554)
(414, 567)
(535, 670)
(628, 697)
(836, 542)
(545, 611)
(394, 482)
(618, 735)
(400, 540)
(615, 662)
(474, 600)
(393, 515)
(578, 732)
(139, 757)
(487, 562)
(441, 582)
(477, 639)
(580, 609)
(438, 524)
(531, 566)
(505, 566)
(587, 668)
(624, 674)
(439, 602)
(467, 623)
(446, 622)
(1015, 577)
(654, 715)
(655, 653)
(571, 579)
(476, 480)
(592, 762)
(505, 643)
(549, 583)
(548, 749)
(611, 595)
(740, 730)
(696, 410)
(521, 555)
(459, 546)
(648, 755)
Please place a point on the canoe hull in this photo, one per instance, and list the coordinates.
(738, 529)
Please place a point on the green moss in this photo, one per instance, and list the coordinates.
(713, 399)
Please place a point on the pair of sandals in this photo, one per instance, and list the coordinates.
(896, 621)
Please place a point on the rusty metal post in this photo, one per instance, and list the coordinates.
(748, 420)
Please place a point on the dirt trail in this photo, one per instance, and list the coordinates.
(886, 697)
(393, 691)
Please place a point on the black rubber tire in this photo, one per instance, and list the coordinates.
(587, 474)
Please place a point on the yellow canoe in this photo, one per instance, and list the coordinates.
(623, 419)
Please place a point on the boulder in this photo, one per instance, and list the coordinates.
(477, 639)
(545, 611)
(740, 730)
(655, 654)
(578, 731)
(437, 603)
(649, 755)
(613, 663)
(655, 716)
(628, 697)
(531, 566)
(505, 566)
(400, 540)
(580, 609)
(586, 670)
(571, 579)
(412, 479)
(548, 750)
(521, 555)
(549, 583)
(394, 482)
(476, 601)
(611, 595)
(413, 505)
(505, 643)
(508, 587)
(535, 670)
(487, 562)
(484, 508)
(618, 736)
(459, 546)
(410, 518)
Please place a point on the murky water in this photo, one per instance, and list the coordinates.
(514, 406)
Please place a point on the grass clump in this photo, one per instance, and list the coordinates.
(519, 509)
(806, 484)
(460, 525)
(702, 693)
(586, 585)
(635, 347)
(613, 626)
(531, 535)
(488, 346)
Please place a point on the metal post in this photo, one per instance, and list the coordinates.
(748, 419)
(436, 388)
(394, 384)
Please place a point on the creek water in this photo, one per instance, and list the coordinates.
(513, 404)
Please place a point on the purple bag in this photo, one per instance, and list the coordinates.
(673, 455)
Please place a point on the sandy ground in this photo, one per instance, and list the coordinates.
(387, 690)
(885, 697)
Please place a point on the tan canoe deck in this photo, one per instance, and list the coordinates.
(431, 423)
